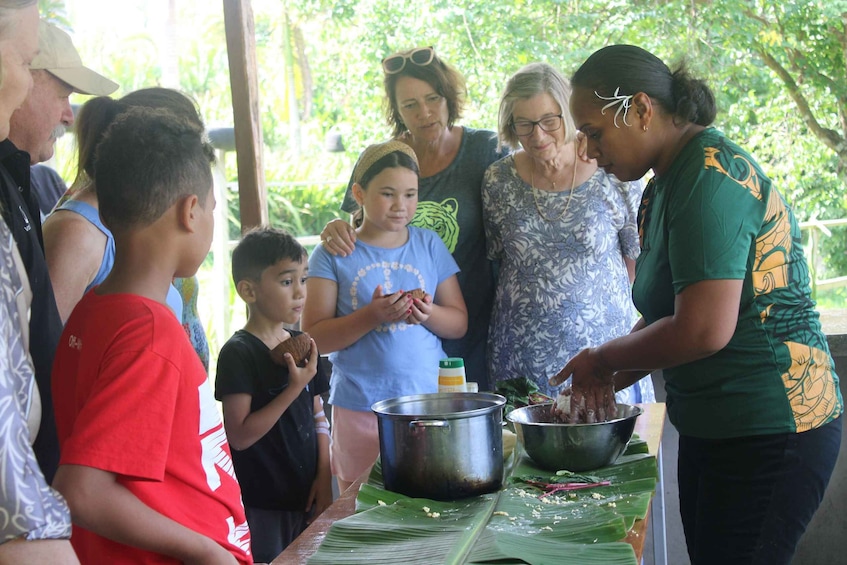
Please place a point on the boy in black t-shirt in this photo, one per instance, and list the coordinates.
(273, 414)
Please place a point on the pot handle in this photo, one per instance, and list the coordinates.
(429, 424)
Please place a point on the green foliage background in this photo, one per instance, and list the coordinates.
(319, 72)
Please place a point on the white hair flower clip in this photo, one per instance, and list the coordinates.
(623, 103)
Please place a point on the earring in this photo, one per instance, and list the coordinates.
(644, 127)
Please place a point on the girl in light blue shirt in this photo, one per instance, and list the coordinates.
(383, 343)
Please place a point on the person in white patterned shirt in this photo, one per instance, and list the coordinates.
(36, 524)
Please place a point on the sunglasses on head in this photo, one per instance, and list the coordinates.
(422, 56)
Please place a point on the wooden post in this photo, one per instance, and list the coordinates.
(241, 51)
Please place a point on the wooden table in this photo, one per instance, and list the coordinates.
(649, 426)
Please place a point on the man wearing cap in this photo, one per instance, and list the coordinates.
(57, 71)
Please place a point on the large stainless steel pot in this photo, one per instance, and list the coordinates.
(441, 446)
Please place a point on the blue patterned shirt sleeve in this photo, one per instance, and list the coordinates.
(630, 244)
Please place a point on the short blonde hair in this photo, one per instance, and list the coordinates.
(530, 80)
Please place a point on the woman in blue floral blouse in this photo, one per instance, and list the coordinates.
(564, 234)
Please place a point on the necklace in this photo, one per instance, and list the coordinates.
(570, 194)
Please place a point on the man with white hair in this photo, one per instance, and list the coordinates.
(57, 71)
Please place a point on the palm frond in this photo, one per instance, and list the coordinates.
(511, 548)
(516, 525)
(426, 530)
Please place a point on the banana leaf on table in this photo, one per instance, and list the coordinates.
(512, 526)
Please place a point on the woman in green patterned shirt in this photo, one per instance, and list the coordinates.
(723, 289)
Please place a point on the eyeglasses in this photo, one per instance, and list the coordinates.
(422, 56)
(524, 128)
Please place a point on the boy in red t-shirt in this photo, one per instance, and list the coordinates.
(145, 465)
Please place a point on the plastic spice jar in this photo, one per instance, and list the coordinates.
(451, 375)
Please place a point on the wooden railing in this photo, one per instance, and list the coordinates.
(816, 229)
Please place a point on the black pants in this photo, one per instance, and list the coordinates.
(748, 500)
(271, 531)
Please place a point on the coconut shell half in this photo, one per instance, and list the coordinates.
(418, 293)
(298, 346)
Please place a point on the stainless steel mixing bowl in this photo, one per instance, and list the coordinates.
(575, 447)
